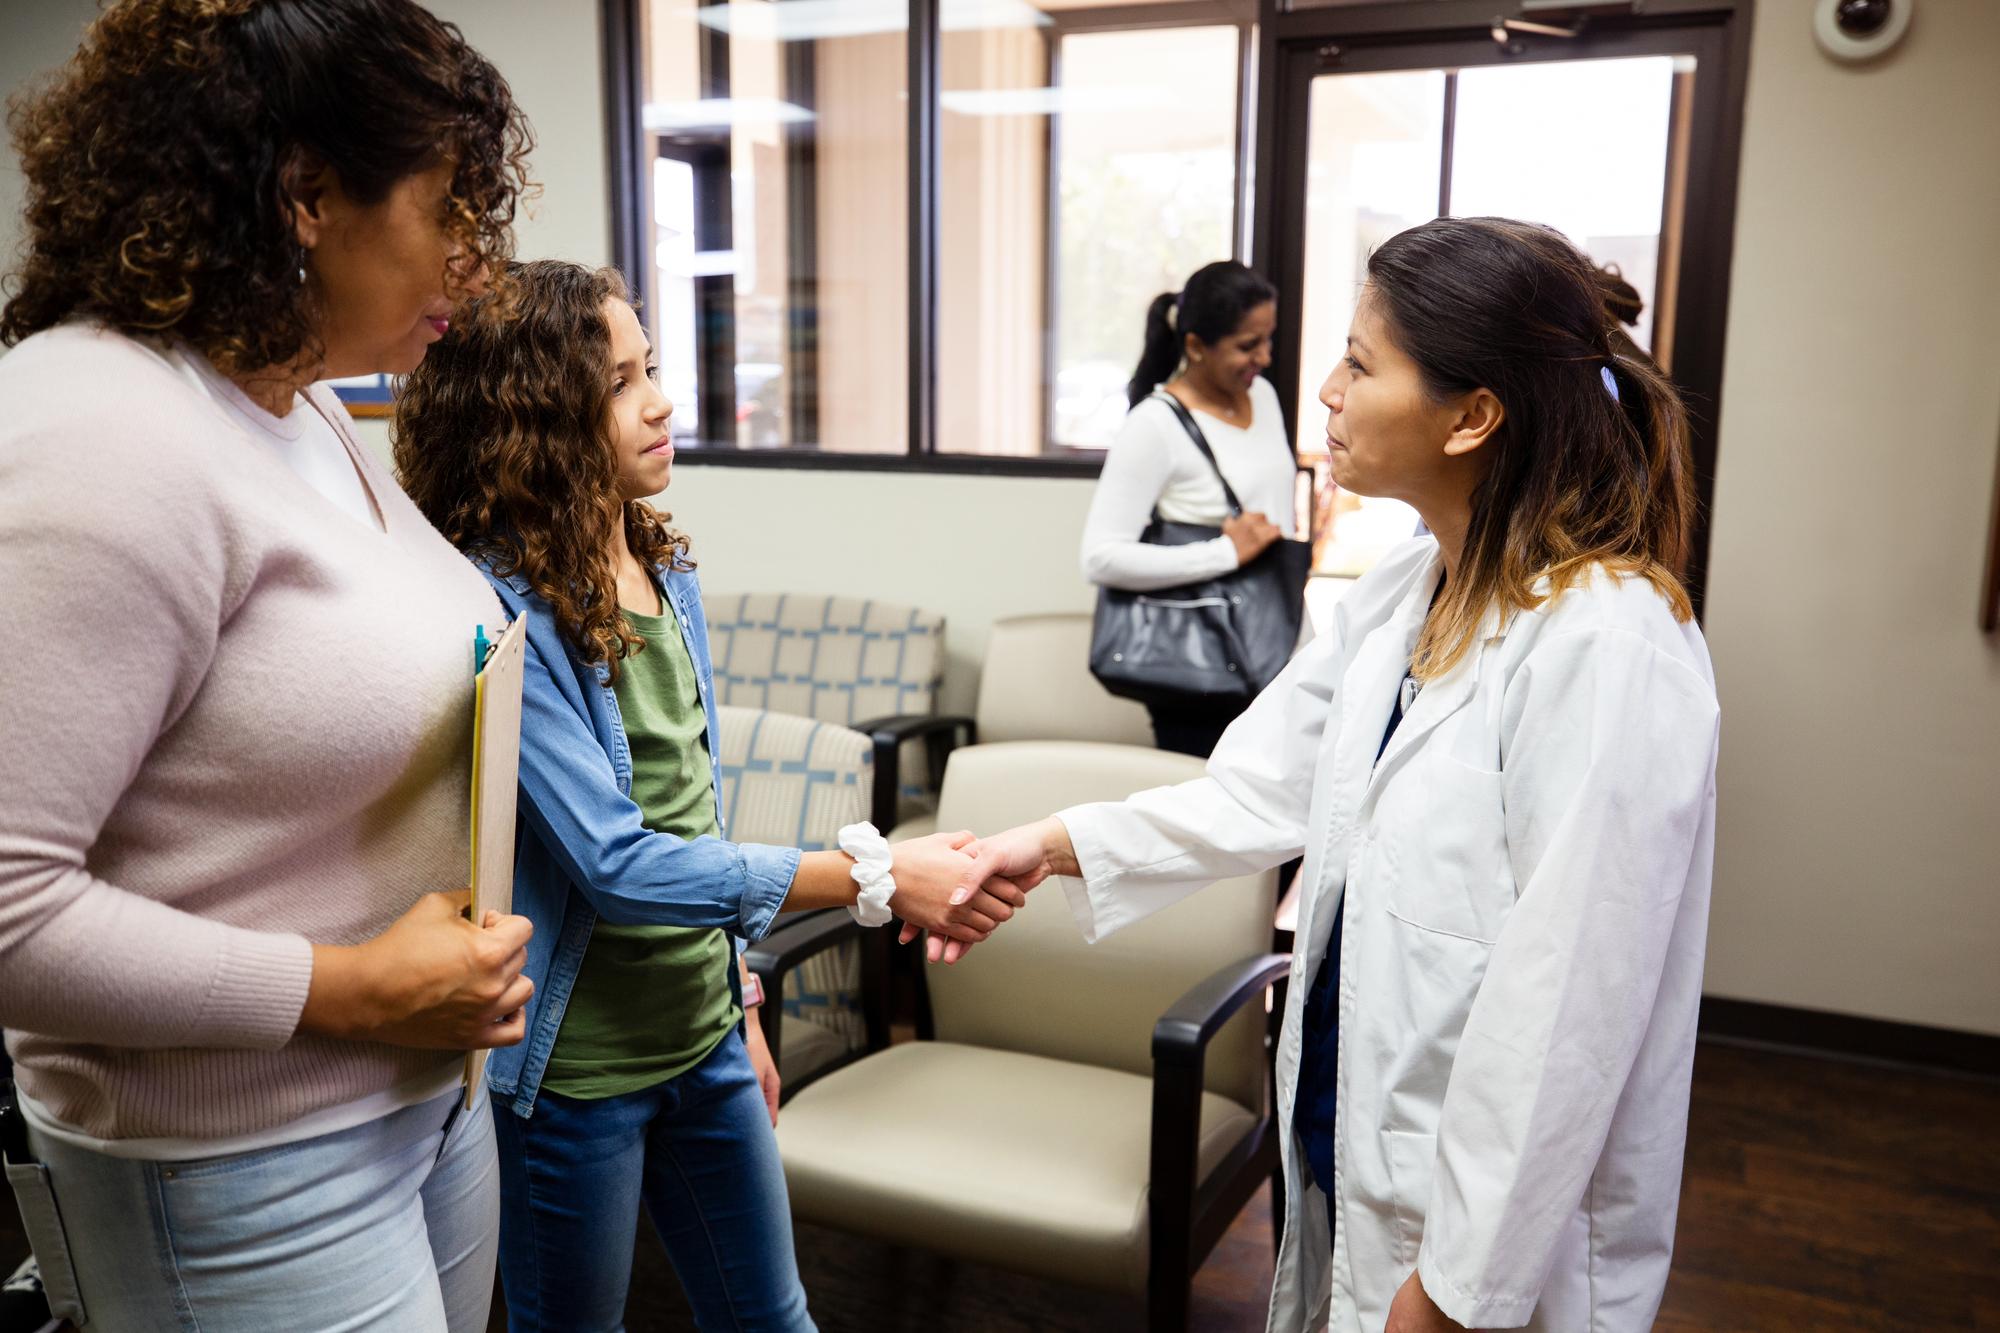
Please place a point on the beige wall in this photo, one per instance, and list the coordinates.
(1859, 864)
(548, 51)
(1859, 858)
(35, 37)
(973, 548)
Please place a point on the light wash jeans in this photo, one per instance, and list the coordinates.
(699, 1152)
(392, 1226)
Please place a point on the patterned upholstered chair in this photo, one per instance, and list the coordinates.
(792, 782)
(872, 666)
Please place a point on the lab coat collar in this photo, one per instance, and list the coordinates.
(1442, 697)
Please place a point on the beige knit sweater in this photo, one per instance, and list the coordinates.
(233, 721)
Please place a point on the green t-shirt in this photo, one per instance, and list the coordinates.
(651, 1001)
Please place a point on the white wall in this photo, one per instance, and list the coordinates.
(1859, 860)
(1859, 863)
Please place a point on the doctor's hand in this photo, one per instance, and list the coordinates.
(931, 877)
(1021, 858)
(1413, 1311)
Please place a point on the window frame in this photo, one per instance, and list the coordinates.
(1268, 70)
(624, 57)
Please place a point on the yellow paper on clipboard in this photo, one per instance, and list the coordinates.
(496, 776)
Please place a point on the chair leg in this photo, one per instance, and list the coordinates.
(1167, 1299)
(1278, 1209)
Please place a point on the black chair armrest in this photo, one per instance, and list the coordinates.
(1182, 1035)
(783, 949)
(941, 732)
(797, 940)
(1183, 1219)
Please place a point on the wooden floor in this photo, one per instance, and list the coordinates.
(1820, 1195)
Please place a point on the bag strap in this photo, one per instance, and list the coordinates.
(1201, 442)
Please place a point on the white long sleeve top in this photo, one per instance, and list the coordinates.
(1153, 465)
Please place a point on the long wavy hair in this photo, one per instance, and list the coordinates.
(503, 438)
(1579, 479)
(160, 160)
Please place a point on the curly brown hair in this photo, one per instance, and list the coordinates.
(160, 160)
(502, 437)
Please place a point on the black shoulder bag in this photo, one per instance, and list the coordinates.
(1225, 637)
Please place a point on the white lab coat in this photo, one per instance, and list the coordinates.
(1524, 877)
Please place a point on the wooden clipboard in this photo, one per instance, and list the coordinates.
(496, 777)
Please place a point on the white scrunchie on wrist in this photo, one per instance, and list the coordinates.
(870, 850)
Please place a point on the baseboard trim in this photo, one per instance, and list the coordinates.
(1817, 1032)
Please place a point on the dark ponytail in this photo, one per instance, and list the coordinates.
(1163, 349)
(1211, 307)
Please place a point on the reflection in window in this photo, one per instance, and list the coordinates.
(1146, 174)
(1083, 171)
(777, 138)
(1139, 127)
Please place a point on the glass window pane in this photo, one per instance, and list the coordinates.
(1580, 145)
(778, 132)
(1374, 150)
(1141, 126)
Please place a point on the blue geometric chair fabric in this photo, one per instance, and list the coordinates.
(793, 782)
(839, 659)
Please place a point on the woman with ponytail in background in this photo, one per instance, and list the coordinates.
(1207, 346)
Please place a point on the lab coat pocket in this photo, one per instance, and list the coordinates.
(1447, 852)
(1412, 1166)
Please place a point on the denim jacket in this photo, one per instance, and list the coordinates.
(581, 848)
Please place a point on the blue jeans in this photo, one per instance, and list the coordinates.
(698, 1151)
(390, 1226)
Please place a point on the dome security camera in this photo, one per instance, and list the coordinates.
(1857, 30)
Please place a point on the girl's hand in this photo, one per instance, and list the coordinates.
(760, 1059)
(432, 980)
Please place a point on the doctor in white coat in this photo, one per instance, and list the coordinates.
(1499, 768)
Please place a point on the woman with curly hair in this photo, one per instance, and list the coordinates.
(532, 437)
(237, 695)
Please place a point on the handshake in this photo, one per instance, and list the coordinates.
(960, 889)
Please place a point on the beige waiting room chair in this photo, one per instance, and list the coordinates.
(1035, 685)
(1091, 1113)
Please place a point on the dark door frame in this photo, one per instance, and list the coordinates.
(1298, 45)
